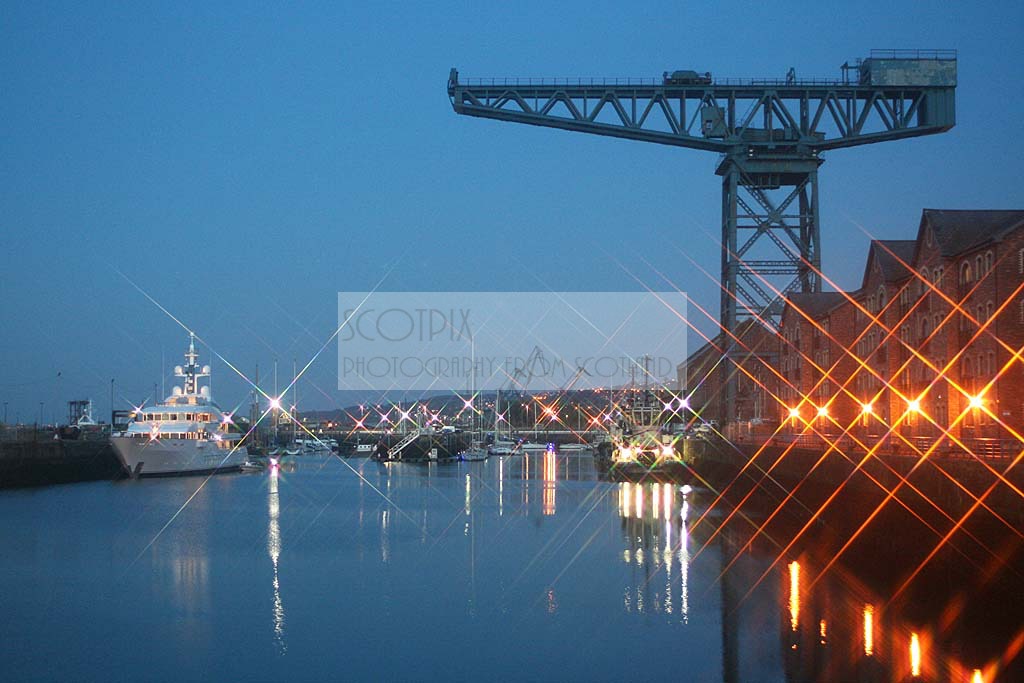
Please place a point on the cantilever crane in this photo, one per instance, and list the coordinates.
(770, 134)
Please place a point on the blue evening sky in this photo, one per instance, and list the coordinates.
(243, 162)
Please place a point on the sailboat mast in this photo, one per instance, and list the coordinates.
(295, 399)
(277, 402)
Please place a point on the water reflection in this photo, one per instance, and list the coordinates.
(829, 628)
(550, 479)
(915, 655)
(869, 630)
(794, 596)
(830, 636)
(657, 539)
(274, 550)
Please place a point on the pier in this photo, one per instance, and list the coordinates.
(42, 459)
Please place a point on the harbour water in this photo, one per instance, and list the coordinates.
(526, 568)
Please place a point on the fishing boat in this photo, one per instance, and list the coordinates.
(640, 439)
(186, 433)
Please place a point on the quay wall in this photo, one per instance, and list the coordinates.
(56, 461)
(953, 484)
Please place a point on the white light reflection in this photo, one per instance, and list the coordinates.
(684, 565)
(274, 550)
(667, 559)
(550, 477)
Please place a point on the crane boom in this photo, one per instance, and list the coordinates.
(893, 97)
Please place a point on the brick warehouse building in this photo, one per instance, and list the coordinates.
(917, 346)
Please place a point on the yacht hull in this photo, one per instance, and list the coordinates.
(169, 457)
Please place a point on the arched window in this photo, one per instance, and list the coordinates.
(881, 298)
(977, 267)
(989, 307)
(988, 262)
(1021, 313)
(965, 273)
(978, 314)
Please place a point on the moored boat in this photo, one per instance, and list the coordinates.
(187, 433)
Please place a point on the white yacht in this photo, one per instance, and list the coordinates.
(502, 446)
(187, 433)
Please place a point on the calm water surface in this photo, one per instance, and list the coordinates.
(514, 568)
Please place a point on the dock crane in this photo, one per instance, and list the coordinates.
(769, 152)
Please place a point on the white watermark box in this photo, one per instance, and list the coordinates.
(524, 341)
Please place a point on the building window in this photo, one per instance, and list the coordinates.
(989, 307)
(977, 267)
(965, 272)
(1020, 317)
(988, 262)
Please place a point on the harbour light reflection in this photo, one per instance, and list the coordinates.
(794, 595)
(869, 630)
(550, 478)
(915, 655)
(656, 539)
(274, 550)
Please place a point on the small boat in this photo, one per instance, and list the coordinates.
(575, 448)
(502, 447)
(532, 447)
(476, 451)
